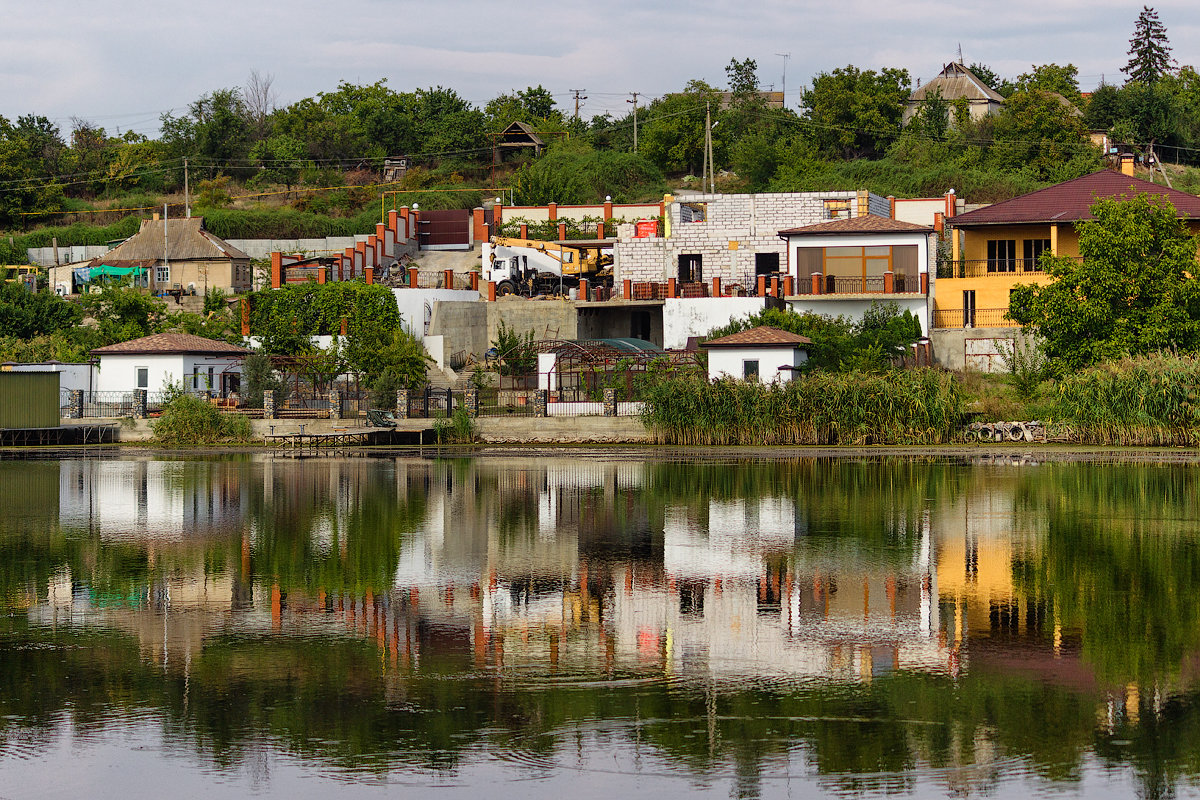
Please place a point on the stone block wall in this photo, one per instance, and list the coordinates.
(736, 228)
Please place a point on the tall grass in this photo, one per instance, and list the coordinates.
(189, 420)
(921, 406)
(1148, 400)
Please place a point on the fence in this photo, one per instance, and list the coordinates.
(977, 318)
(984, 267)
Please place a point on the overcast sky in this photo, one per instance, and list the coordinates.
(121, 64)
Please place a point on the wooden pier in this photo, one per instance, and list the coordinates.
(341, 442)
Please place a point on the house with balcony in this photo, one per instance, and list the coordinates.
(999, 246)
(843, 266)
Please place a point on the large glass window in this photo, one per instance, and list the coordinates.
(1032, 252)
(1002, 255)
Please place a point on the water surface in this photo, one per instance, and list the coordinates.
(598, 625)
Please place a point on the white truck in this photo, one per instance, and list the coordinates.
(529, 267)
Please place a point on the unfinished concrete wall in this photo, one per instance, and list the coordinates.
(472, 326)
(697, 316)
(735, 227)
(975, 348)
(463, 324)
(619, 321)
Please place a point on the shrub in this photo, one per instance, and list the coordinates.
(187, 419)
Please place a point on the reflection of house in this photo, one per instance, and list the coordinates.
(763, 354)
(153, 362)
(178, 254)
(998, 246)
(956, 82)
(844, 265)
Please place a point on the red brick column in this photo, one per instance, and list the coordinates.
(524, 230)
(449, 278)
(370, 275)
(775, 287)
(562, 231)
(924, 283)
(627, 289)
(671, 288)
(552, 208)
(491, 291)
(762, 286)
(583, 290)
(245, 316)
(474, 281)
(276, 270)
(816, 282)
(788, 286)
(413, 274)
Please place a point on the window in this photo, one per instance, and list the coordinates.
(693, 212)
(143, 377)
(1033, 251)
(837, 209)
(210, 378)
(690, 268)
(766, 263)
(639, 325)
(750, 370)
(162, 274)
(1002, 255)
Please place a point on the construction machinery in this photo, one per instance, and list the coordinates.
(529, 267)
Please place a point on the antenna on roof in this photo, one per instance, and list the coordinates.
(960, 53)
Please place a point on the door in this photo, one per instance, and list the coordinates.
(969, 308)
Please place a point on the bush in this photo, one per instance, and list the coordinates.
(187, 419)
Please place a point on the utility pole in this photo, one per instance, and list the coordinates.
(579, 95)
(187, 202)
(166, 254)
(785, 57)
(709, 180)
(634, 101)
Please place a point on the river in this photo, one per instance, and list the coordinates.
(598, 624)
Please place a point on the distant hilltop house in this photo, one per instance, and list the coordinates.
(173, 256)
(956, 82)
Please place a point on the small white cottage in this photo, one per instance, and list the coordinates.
(763, 354)
(156, 361)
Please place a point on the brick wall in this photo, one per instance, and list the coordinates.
(736, 228)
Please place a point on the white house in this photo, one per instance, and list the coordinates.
(153, 362)
(844, 266)
(762, 354)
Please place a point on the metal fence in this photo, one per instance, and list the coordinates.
(976, 318)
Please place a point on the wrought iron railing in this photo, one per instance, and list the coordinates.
(978, 318)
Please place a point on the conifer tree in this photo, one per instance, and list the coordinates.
(1149, 51)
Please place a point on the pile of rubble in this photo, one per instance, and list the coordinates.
(1033, 431)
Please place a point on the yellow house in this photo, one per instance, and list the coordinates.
(999, 246)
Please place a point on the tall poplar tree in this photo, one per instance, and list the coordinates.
(1149, 50)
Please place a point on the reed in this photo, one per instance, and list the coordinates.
(921, 406)
(1147, 400)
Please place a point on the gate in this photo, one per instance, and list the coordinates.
(987, 355)
(449, 229)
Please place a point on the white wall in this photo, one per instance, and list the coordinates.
(118, 373)
(697, 316)
(412, 302)
(70, 376)
(727, 362)
(854, 309)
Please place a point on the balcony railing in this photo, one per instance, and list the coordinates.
(990, 267)
(979, 318)
(873, 284)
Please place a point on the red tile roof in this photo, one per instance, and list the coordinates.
(160, 344)
(852, 225)
(1071, 201)
(764, 336)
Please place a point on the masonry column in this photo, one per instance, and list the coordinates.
(402, 404)
(139, 403)
(541, 399)
(335, 404)
(610, 402)
(268, 404)
(76, 411)
(471, 400)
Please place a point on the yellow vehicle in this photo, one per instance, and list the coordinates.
(530, 267)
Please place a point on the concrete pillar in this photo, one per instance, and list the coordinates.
(541, 398)
(335, 404)
(402, 404)
(889, 282)
(817, 281)
(139, 403)
(76, 411)
(268, 404)
(610, 402)
(471, 401)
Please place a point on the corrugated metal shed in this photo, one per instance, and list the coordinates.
(29, 400)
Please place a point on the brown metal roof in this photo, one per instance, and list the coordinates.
(851, 225)
(186, 241)
(1072, 201)
(160, 344)
(957, 81)
(764, 336)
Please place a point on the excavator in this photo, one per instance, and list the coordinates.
(530, 268)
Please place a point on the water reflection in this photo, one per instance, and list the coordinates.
(864, 625)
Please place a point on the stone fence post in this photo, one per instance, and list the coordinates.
(335, 404)
(610, 402)
(76, 411)
(471, 400)
(541, 399)
(402, 404)
(268, 404)
(139, 403)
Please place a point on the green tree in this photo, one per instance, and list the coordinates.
(123, 313)
(280, 159)
(1052, 78)
(1133, 291)
(856, 113)
(671, 130)
(25, 314)
(743, 77)
(1039, 132)
(1149, 50)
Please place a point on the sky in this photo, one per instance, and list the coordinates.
(120, 65)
